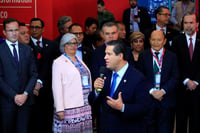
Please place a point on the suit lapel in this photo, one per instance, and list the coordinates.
(122, 84)
(21, 57)
(10, 56)
(150, 63)
(196, 49)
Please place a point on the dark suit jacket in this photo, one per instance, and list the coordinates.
(87, 56)
(145, 20)
(98, 60)
(15, 80)
(169, 74)
(170, 34)
(188, 69)
(44, 62)
(135, 97)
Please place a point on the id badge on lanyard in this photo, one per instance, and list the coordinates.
(85, 80)
(157, 80)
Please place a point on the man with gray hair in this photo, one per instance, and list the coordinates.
(63, 27)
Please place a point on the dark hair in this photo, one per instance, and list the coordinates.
(9, 20)
(159, 10)
(61, 22)
(74, 24)
(119, 47)
(190, 13)
(38, 19)
(89, 21)
(108, 24)
(187, 14)
(100, 2)
(22, 24)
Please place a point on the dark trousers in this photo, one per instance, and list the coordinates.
(188, 110)
(42, 115)
(15, 119)
(160, 119)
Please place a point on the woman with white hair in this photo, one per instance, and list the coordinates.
(71, 82)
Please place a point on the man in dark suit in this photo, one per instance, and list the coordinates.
(83, 52)
(187, 49)
(162, 15)
(124, 98)
(162, 74)
(18, 76)
(44, 51)
(136, 18)
(109, 32)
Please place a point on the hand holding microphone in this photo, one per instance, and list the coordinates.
(99, 82)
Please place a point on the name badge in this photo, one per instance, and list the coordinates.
(157, 80)
(85, 80)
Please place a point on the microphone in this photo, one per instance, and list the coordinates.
(102, 72)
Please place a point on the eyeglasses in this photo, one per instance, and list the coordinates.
(72, 43)
(12, 31)
(77, 33)
(35, 27)
(165, 14)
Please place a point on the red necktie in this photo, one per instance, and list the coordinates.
(38, 43)
(191, 48)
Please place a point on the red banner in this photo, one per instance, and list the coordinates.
(19, 9)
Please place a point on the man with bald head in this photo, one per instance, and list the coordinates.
(160, 67)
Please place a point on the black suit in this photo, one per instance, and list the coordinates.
(188, 102)
(87, 56)
(15, 79)
(43, 108)
(161, 111)
(135, 97)
(170, 34)
(145, 20)
(98, 60)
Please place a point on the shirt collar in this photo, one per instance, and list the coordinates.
(35, 40)
(122, 71)
(193, 36)
(160, 51)
(9, 42)
(159, 28)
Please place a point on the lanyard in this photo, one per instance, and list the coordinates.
(158, 63)
(78, 62)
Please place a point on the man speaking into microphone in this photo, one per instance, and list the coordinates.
(124, 98)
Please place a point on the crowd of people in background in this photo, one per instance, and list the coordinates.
(107, 76)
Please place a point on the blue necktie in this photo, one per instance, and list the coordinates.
(15, 54)
(115, 75)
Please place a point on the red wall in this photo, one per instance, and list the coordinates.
(79, 10)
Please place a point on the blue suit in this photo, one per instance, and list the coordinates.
(15, 80)
(169, 78)
(135, 97)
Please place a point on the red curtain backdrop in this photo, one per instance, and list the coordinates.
(197, 7)
(51, 10)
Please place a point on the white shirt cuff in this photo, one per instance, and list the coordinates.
(123, 108)
(185, 81)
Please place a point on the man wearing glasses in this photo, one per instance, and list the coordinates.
(82, 52)
(44, 52)
(162, 15)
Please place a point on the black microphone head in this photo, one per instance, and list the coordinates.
(102, 71)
